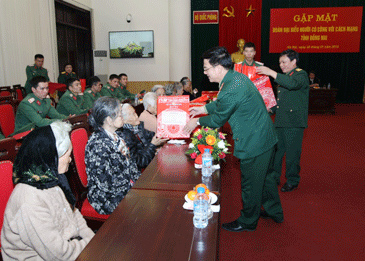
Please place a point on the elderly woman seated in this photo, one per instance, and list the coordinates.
(158, 89)
(111, 167)
(148, 116)
(142, 143)
(40, 220)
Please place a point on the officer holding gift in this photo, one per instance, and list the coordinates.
(291, 116)
(240, 103)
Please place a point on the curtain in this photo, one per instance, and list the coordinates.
(27, 27)
(241, 25)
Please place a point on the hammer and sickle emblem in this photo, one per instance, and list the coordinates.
(229, 13)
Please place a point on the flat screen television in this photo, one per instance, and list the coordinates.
(131, 44)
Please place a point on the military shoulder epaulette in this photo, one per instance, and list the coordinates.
(71, 95)
(63, 72)
(31, 100)
(81, 93)
(48, 97)
(298, 69)
(89, 91)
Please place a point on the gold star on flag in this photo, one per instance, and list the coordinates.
(250, 11)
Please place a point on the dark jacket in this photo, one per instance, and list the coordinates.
(140, 146)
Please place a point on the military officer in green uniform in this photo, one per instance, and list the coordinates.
(240, 103)
(64, 76)
(111, 89)
(35, 70)
(72, 102)
(35, 107)
(67, 74)
(291, 116)
(249, 50)
(93, 93)
(123, 78)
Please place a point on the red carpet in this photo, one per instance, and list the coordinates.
(324, 216)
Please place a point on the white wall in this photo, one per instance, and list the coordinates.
(146, 15)
(28, 27)
(179, 39)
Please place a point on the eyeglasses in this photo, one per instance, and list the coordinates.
(207, 69)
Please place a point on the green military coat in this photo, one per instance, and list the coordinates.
(64, 76)
(240, 103)
(31, 72)
(254, 63)
(2, 136)
(125, 93)
(292, 99)
(90, 97)
(32, 112)
(109, 91)
(71, 104)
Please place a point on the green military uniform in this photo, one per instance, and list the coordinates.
(254, 63)
(31, 72)
(290, 121)
(2, 136)
(110, 91)
(64, 76)
(32, 112)
(70, 104)
(240, 103)
(90, 97)
(126, 94)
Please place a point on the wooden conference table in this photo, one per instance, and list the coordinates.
(150, 222)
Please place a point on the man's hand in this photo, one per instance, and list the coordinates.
(191, 125)
(267, 71)
(196, 111)
(157, 141)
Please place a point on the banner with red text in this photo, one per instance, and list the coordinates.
(316, 30)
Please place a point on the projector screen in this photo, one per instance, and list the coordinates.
(316, 30)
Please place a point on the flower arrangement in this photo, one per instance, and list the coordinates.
(204, 138)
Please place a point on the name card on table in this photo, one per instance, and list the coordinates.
(172, 116)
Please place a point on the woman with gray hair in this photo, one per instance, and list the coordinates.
(110, 168)
(142, 143)
(148, 116)
(158, 89)
(40, 220)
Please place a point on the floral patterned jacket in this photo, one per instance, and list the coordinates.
(110, 173)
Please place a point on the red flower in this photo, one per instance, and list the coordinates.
(193, 155)
(222, 155)
(206, 129)
(221, 136)
(200, 137)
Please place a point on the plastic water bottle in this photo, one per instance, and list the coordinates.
(207, 161)
(136, 100)
(201, 205)
(329, 86)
